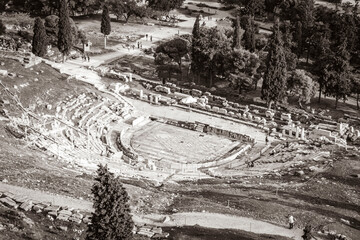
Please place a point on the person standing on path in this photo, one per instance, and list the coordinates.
(291, 221)
(151, 38)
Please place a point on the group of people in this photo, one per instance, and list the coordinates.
(307, 230)
(147, 36)
(139, 44)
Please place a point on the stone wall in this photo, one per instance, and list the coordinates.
(205, 128)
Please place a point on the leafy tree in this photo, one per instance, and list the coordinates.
(85, 6)
(176, 49)
(2, 28)
(339, 84)
(3, 4)
(349, 31)
(254, 7)
(128, 8)
(165, 5)
(39, 43)
(321, 33)
(241, 67)
(304, 13)
(270, 5)
(323, 63)
(105, 23)
(303, 86)
(336, 2)
(274, 84)
(356, 89)
(111, 219)
(52, 29)
(65, 40)
(50, 7)
(165, 66)
(211, 49)
(82, 37)
(238, 33)
(250, 7)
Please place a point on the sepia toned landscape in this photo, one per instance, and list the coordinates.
(181, 119)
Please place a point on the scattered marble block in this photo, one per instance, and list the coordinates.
(8, 202)
(26, 206)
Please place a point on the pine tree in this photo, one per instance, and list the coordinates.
(274, 84)
(39, 42)
(105, 23)
(111, 219)
(64, 36)
(238, 33)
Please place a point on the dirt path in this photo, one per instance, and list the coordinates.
(223, 221)
(210, 220)
(42, 196)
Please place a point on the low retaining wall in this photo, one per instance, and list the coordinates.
(129, 154)
(208, 129)
(194, 167)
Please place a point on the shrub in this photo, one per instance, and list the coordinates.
(52, 29)
(18, 19)
(2, 28)
(25, 35)
(39, 43)
(82, 37)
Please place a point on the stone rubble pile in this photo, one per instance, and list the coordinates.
(151, 232)
(64, 214)
(55, 212)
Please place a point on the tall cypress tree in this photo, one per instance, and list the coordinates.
(195, 65)
(64, 35)
(298, 38)
(238, 33)
(105, 23)
(111, 219)
(39, 42)
(196, 28)
(274, 84)
(249, 35)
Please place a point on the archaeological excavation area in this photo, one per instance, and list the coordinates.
(200, 151)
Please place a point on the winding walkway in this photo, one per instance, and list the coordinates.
(209, 220)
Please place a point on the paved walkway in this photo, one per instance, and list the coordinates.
(42, 196)
(210, 220)
(223, 221)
